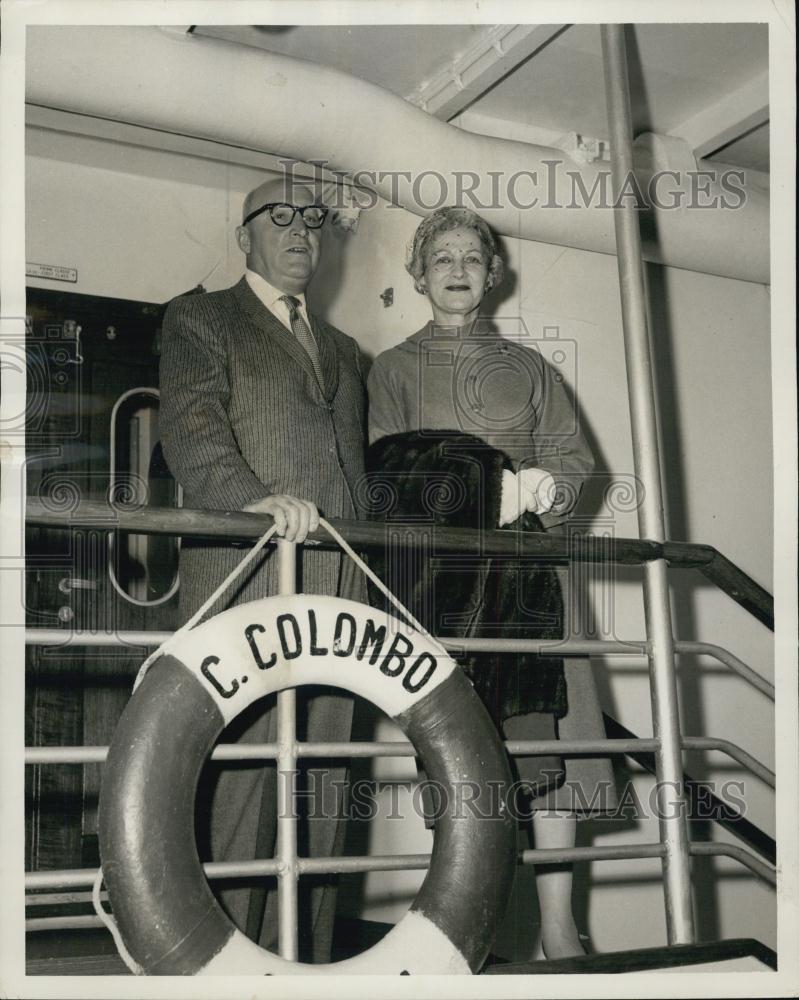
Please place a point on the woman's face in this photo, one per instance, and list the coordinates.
(455, 272)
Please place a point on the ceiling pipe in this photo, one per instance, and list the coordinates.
(248, 97)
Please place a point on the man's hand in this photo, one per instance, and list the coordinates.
(294, 518)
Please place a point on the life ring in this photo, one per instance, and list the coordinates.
(166, 914)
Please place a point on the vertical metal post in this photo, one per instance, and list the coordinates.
(286, 779)
(657, 606)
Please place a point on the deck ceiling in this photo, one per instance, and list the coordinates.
(707, 83)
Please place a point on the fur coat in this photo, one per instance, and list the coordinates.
(449, 479)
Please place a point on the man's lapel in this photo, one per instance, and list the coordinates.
(265, 320)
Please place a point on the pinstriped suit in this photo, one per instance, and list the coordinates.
(242, 416)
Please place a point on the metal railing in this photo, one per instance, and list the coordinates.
(239, 526)
(526, 748)
(287, 866)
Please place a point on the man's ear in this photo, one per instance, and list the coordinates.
(243, 239)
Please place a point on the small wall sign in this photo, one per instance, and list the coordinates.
(51, 271)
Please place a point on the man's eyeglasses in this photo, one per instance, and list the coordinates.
(282, 214)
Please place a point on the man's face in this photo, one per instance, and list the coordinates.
(286, 256)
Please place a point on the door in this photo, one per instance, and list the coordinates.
(92, 434)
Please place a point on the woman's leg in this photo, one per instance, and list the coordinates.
(559, 935)
(551, 828)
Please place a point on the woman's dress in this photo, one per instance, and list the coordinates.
(472, 382)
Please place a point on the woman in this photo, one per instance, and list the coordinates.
(475, 430)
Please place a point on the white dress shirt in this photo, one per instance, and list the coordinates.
(271, 296)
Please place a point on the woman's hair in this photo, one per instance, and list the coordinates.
(441, 221)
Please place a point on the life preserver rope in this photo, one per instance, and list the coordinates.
(239, 568)
(167, 916)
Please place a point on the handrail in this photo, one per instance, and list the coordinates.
(740, 587)
(243, 526)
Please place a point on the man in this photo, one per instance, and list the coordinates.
(263, 409)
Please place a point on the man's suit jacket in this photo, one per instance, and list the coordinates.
(242, 416)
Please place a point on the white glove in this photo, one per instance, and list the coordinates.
(528, 490)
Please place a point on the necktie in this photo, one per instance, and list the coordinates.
(304, 336)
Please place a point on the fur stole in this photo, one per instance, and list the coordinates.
(435, 479)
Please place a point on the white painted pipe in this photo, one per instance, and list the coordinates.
(248, 97)
(672, 812)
